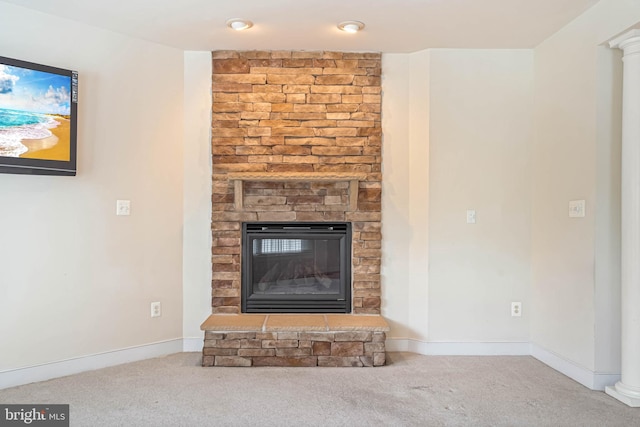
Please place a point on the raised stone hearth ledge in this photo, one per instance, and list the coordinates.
(353, 177)
(295, 322)
(294, 340)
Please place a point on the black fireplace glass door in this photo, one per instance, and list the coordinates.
(296, 267)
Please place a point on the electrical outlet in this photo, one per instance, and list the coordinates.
(516, 309)
(156, 309)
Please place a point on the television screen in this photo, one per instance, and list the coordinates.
(38, 115)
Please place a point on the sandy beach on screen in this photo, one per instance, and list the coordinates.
(55, 147)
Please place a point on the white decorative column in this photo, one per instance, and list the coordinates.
(627, 390)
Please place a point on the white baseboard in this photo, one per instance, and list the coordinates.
(589, 379)
(47, 371)
(458, 348)
(580, 374)
(396, 344)
(192, 344)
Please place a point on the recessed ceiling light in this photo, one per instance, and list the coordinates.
(239, 24)
(351, 26)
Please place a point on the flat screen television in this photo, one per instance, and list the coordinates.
(38, 118)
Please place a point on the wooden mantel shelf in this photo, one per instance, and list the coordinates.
(240, 177)
(297, 176)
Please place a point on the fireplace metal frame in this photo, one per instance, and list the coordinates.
(290, 303)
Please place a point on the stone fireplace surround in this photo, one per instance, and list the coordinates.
(296, 136)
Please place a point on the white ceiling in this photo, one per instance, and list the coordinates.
(391, 25)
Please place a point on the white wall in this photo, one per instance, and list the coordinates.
(405, 193)
(75, 279)
(396, 229)
(457, 132)
(419, 193)
(575, 262)
(481, 104)
(197, 194)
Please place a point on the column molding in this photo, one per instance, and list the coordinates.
(627, 390)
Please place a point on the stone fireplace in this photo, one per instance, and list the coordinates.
(296, 138)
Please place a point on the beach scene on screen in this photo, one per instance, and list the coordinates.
(35, 112)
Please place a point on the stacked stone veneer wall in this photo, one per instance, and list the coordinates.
(282, 112)
(336, 349)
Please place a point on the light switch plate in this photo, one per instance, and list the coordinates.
(123, 207)
(577, 209)
(471, 216)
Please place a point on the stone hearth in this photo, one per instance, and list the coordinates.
(294, 340)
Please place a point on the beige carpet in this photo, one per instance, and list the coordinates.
(412, 390)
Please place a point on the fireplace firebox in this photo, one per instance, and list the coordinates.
(296, 267)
